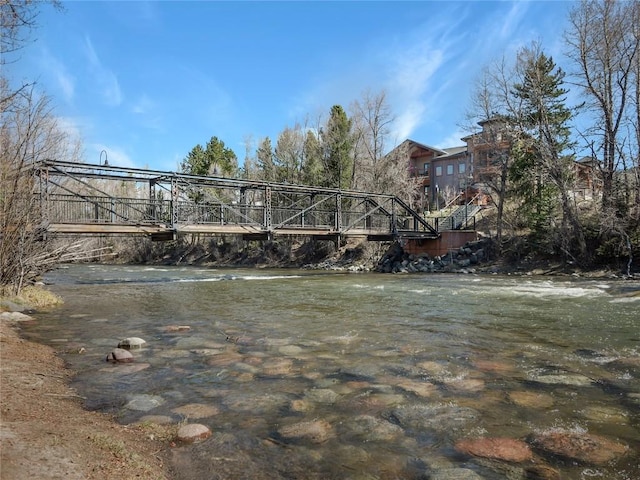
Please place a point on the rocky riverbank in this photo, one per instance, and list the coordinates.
(46, 433)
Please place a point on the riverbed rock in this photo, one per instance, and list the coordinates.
(176, 328)
(12, 306)
(505, 449)
(120, 355)
(131, 343)
(318, 431)
(196, 410)
(371, 428)
(454, 473)
(156, 419)
(572, 379)
(441, 417)
(531, 399)
(144, 402)
(290, 350)
(464, 385)
(193, 433)
(14, 317)
(581, 447)
(321, 395)
(608, 414)
(277, 367)
(422, 389)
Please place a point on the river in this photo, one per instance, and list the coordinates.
(325, 375)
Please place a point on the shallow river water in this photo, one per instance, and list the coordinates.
(321, 375)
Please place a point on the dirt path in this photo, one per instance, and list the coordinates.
(45, 433)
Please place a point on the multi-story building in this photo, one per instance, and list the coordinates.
(463, 173)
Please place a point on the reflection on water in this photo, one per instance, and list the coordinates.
(323, 375)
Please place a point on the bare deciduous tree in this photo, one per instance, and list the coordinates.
(603, 43)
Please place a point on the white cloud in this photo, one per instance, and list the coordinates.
(105, 79)
(143, 105)
(452, 140)
(513, 19)
(64, 80)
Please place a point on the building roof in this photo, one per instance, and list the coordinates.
(452, 151)
(439, 151)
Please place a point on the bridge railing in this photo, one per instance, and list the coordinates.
(61, 208)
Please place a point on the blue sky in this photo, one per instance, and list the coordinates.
(147, 81)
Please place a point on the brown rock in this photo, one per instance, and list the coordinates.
(196, 410)
(506, 449)
(582, 447)
(120, 355)
(541, 472)
(531, 399)
(193, 432)
(318, 431)
(177, 328)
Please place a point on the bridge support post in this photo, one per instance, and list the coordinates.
(174, 203)
(267, 208)
(338, 225)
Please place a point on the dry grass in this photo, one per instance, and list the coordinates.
(35, 297)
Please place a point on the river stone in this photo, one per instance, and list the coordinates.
(193, 433)
(290, 350)
(321, 395)
(505, 449)
(531, 399)
(454, 474)
(276, 367)
(581, 447)
(256, 404)
(15, 317)
(206, 352)
(196, 410)
(371, 428)
(318, 431)
(144, 402)
(422, 389)
(573, 379)
(432, 368)
(224, 359)
(120, 355)
(606, 414)
(156, 419)
(177, 328)
(440, 417)
(131, 342)
(12, 306)
(465, 385)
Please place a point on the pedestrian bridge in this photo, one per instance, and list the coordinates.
(93, 199)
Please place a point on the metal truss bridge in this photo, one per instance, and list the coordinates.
(79, 198)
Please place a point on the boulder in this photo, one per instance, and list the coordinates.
(120, 355)
(15, 317)
(318, 431)
(193, 433)
(581, 447)
(131, 342)
(505, 449)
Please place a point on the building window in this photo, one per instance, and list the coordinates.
(450, 169)
(438, 170)
(462, 167)
(425, 169)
